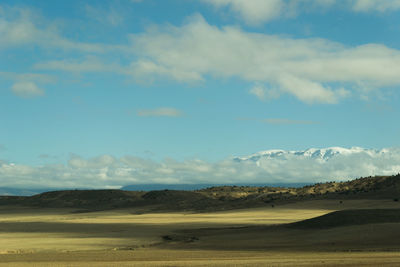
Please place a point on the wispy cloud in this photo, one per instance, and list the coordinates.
(264, 93)
(35, 77)
(246, 119)
(288, 121)
(256, 12)
(21, 27)
(253, 12)
(109, 16)
(375, 5)
(89, 64)
(278, 121)
(160, 112)
(47, 157)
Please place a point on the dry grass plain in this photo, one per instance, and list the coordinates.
(246, 237)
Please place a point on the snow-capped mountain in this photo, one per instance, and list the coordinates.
(323, 154)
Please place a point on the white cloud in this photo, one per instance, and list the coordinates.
(160, 112)
(253, 12)
(256, 12)
(309, 91)
(312, 70)
(106, 171)
(375, 5)
(25, 84)
(27, 89)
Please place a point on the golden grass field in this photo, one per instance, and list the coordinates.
(246, 237)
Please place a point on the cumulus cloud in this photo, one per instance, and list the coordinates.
(160, 112)
(256, 12)
(109, 172)
(312, 70)
(27, 89)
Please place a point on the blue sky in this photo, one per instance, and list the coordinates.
(192, 81)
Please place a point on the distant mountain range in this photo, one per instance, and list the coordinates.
(9, 191)
(323, 154)
(15, 191)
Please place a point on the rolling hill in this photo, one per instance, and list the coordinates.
(213, 198)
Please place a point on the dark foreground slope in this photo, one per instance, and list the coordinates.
(213, 198)
(348, 218)
(347, 230)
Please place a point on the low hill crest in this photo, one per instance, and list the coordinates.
(212, 198)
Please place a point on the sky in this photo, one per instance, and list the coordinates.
(110, 93)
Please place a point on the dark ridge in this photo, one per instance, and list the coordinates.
(93, 200)
(193, 187)
(379, 187)
(88, 199)
(349, 217)
(213, 198)
(168, 195)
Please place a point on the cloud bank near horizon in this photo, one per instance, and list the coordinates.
(110, 172)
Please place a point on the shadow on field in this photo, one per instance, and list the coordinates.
(126, 230)
(375, 230)
(349, 217)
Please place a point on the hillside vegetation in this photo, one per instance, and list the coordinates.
(213, 198)
(228, 225)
